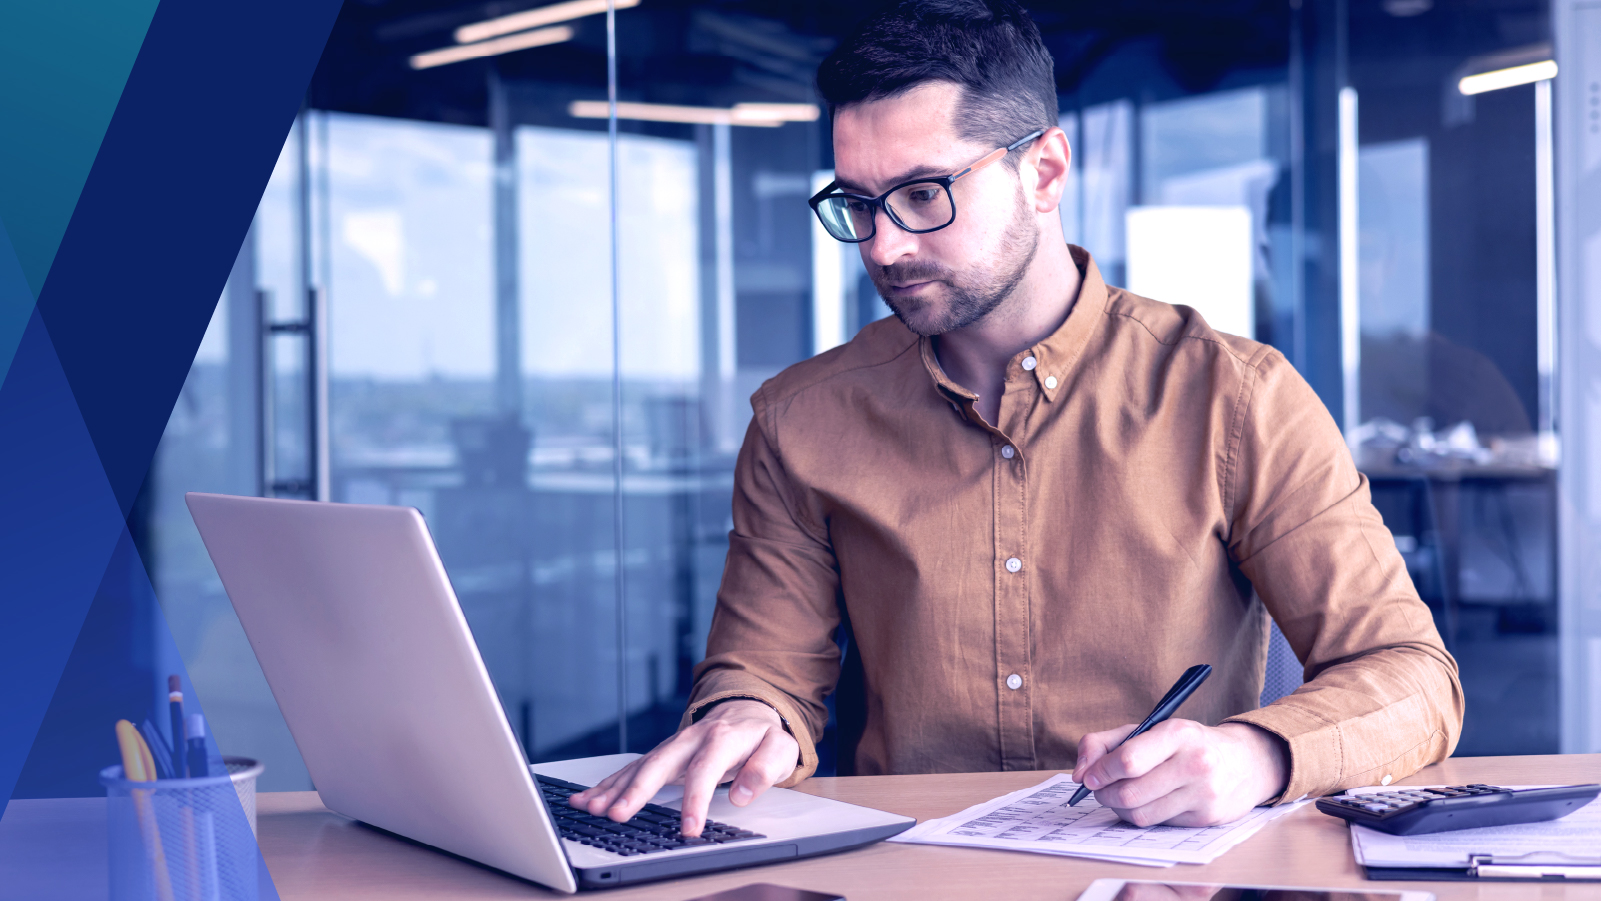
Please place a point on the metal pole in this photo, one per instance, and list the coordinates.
(321, 487)
(267, 428)
(508, 319)
(723, 241)
(1545, 251)
(317, 340)
(242, 303)
(1350, 295)
(307, 289)
(617, 382)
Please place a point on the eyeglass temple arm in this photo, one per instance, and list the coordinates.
(997, 153)
(823, 193)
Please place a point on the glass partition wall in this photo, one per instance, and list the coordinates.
(472, 289)
(1452, 302)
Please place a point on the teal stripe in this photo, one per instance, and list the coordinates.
(63, 64)
(16, 303)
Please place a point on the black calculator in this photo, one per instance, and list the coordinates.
(1414, 811)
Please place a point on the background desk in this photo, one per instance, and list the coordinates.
(315, 854)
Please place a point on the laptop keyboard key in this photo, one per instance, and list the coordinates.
(655, 828)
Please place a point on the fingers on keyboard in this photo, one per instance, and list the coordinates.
(655, 828)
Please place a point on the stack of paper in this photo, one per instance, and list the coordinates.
(1038, 819)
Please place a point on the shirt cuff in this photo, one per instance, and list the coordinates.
(1322, 761)
(793, 723)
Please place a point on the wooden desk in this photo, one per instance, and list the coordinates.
(56, 849)
(315, 854)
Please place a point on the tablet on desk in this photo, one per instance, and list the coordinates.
(1158, 890)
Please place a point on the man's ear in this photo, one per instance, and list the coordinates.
(1052, 159)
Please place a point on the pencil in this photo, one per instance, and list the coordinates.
(139, 766)
(175, 708)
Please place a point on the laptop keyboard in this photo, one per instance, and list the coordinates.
(654, 828)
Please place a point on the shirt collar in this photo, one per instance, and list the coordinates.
(1056, 356)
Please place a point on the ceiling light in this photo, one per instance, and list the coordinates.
(1508, 78)
(1403, 9)
(761, 115)
(534, 18)
(787, 112)
(520, 41)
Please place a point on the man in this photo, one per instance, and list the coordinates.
(1037, 499)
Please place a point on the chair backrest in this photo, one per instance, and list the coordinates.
(1283, 673)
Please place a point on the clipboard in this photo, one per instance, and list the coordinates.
(1561, 850)
(1533, 867)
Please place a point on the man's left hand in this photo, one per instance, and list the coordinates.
(1182, 773)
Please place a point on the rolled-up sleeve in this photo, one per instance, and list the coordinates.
(773, 633)
(1381, 697)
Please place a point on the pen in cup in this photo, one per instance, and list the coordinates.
(139, 766)
(175, 707)
(199, 767)
(1177, 695)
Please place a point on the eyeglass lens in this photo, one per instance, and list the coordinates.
(921, 206)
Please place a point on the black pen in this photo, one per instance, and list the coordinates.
(1178, 694)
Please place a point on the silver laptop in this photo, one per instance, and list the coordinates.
(353, 619)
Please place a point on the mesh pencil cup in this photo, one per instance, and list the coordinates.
(183, 839)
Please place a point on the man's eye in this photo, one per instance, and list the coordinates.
(922, 195)
(856, 206)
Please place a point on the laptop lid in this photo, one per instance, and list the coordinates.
(358, 632)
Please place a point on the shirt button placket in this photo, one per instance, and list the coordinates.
(1017, 741)
(1012, 620)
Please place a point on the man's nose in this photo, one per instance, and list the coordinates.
(890, 242)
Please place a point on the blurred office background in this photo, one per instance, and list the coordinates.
(444, 303)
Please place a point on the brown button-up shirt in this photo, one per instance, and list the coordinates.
(1153, 492)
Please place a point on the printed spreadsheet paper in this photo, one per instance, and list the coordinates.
(1038, 819)
(1574, 839)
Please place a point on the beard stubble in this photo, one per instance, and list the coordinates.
(969, 296)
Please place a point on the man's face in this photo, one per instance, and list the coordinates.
(944, 280)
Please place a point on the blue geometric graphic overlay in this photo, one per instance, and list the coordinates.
(114, 673)
(102, 355)
(118, 669)
(61, 522)
(166, 207)
(16, 302)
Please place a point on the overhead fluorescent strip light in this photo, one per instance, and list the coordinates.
(534, 18)
(508, 44)
(1508, 78)
(760, 115)
(787, 112)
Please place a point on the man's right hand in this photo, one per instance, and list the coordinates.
(741, 739)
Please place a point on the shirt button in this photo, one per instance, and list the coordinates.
(1013, 564)
(1030, 363)
(1050, 381)
(1014, 681)
(1008, 452)
(1387, 779)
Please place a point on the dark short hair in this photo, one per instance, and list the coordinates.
(990, 48)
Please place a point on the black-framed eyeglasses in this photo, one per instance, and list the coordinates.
(919, 206)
